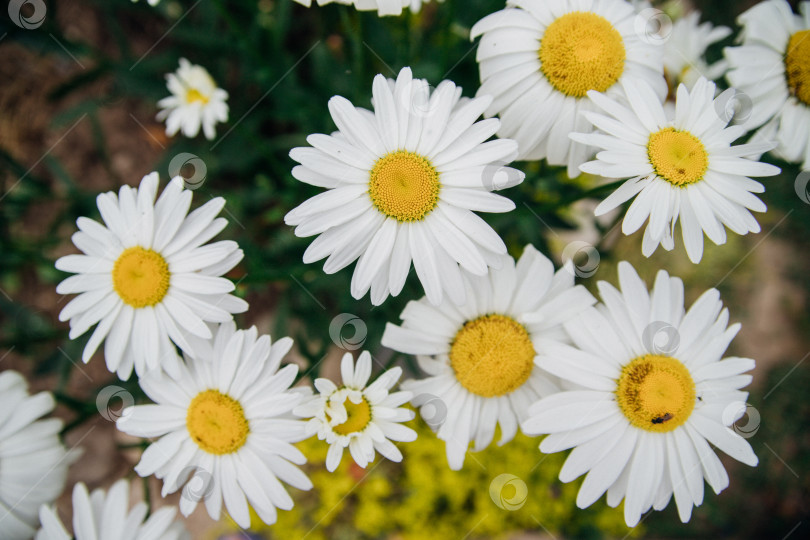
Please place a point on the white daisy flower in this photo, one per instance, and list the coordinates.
(359, 416)
(107, 516)
(682, 167)
(640, 426)
(685, 51)
(403, 183)
(772, 67)
(539, 58)
(148, 278)
(480, 357)
(382, 7)
(225, 424)
(33, 461)
(196, 100)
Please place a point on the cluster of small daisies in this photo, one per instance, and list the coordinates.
(505, 344)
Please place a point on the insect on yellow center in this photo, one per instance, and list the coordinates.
(141, 277)
(217, 423)
(677, 156)
(581, 51)
(195, 96)
(797, 65)
(492, 355)
(404, 186)
(358, 417)
(656, 393)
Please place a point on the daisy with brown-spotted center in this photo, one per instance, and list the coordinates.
(480, 357)
(149, 280)
(359, 416)
(403, 184)
(656, 391)
(225, 426)
(772, 67)
(680, 167)
(539, 58)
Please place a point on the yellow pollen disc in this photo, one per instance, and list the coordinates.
(492, 355)
(581, 51)
(797, 65)
(656, 393)
(217, 423)
(404, 186)
(358, 417)
(677, 156)
(141, 277)
(195, 96)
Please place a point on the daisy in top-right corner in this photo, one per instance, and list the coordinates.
(679, 167)
(655, 390)
(772, 67)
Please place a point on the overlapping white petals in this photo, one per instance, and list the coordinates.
(196, 102)
(757, 69)
(644, 468)
(531, 293)
(247, 368)
(33, 461)
(146, 337)
(532, 112)
(107, 515)
(685, 51)
(439, 126)
(326, 411)
(723, 198)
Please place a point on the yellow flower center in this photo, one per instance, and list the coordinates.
(677, 156)
(797, 65)
(141, 277)
(358, 417)
(656, 393)
(217, 423)
(195, 96)
(581, 51)
(492, 355)
(404, 186)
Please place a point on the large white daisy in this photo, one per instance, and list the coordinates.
(685, 51)
(680, 168)
(225, 424)
(655, 391)
(195, 101)
(33, 461)
(480, 356)
(107, 516)
(539, 58)
(403, 183)
(772, 67)
(359, 416)
(148, 278)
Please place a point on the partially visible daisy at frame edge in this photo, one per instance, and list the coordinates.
(196, 101)
(403, 183)
(33, 460)
(382, 7)
(641, 425)
(772, 67)
(681, 167)
(147, 279)
(225, 424)
(107, 516)
(357, 415)
(539, 58)
(685, 51)
(480, 357)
